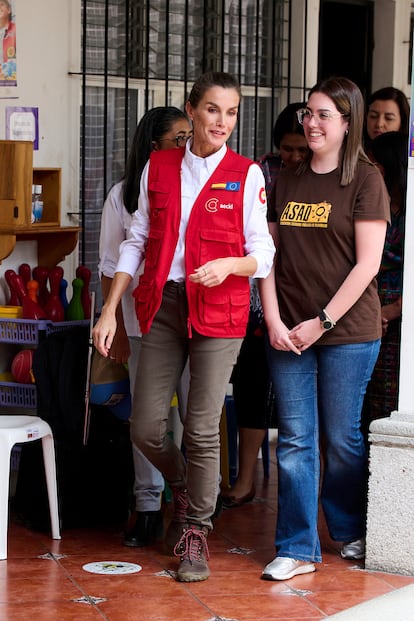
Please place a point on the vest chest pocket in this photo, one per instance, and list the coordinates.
(217, 243)
(159, 194)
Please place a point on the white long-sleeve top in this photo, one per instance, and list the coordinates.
(195, 172)
(115, 227)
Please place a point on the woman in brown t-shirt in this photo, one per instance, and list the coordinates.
(322, 314)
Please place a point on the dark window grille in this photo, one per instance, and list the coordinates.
(141, 53)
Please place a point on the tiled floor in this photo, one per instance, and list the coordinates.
(44, 580)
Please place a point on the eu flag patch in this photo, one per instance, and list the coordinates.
(230, 186)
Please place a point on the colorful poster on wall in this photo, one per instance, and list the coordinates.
(8, 75)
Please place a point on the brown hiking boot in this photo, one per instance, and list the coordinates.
(178, 520)
(193, 552)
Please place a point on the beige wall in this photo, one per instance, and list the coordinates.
(391, 38)
(48, 49)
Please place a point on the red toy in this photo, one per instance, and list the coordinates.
(31, 310)
(54, 307)
(25, 272)
(21, 367)
(15, 298)
(41, 274)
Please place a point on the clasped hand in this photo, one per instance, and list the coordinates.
(299, 338)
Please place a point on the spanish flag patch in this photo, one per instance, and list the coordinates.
(230, 186)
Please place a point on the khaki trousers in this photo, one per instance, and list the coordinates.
(164, 352)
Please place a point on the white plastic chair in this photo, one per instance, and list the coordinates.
(20, 428)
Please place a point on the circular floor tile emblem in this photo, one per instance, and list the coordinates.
(112, 567)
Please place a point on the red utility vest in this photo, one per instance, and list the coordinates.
(215, 230)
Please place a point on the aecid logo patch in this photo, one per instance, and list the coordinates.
(305, 214)
(213, 205)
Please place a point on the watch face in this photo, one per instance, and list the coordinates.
(327, 324)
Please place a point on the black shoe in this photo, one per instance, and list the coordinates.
(146, 530)
(219, 507)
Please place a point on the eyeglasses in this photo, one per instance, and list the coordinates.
(179, 140)
(322, 116)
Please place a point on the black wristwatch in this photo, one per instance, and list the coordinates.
(326, 322)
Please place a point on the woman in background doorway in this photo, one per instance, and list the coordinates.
(390, 151)
(387, 110)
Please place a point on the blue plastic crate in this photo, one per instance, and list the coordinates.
(16, 395)
(23, 331)
(27, 331)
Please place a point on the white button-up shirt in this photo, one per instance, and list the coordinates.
(195, 172)
(115, 226)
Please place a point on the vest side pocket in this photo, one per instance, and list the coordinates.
(143, 309)
(239, 312)
(153, 249)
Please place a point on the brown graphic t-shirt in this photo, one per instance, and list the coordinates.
(316, 252)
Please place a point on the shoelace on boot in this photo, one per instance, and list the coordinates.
(180, 503)
(191, 545)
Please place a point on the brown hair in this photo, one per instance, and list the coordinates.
(348, 101)
(208, 80)
(393, 94)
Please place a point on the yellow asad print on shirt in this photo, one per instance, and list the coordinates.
(306, 214)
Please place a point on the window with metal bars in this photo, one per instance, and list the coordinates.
(137, 54)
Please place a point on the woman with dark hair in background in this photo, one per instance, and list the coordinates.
(159, 128)
(290, 143)
(387, 110)
(390, 151)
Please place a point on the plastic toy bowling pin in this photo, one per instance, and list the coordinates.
(33, 290)
(62, 293)
(54, 307)
(31, 309)
(14, 299)
(84, 273)
(74, 312)
(41, 275)
(25, 272)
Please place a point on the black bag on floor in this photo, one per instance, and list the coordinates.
(94, 481)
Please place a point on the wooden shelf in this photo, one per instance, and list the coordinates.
(54, 243)
(17, 176)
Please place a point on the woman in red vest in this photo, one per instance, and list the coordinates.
(201, 228)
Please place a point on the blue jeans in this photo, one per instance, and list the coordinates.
(319, 398)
